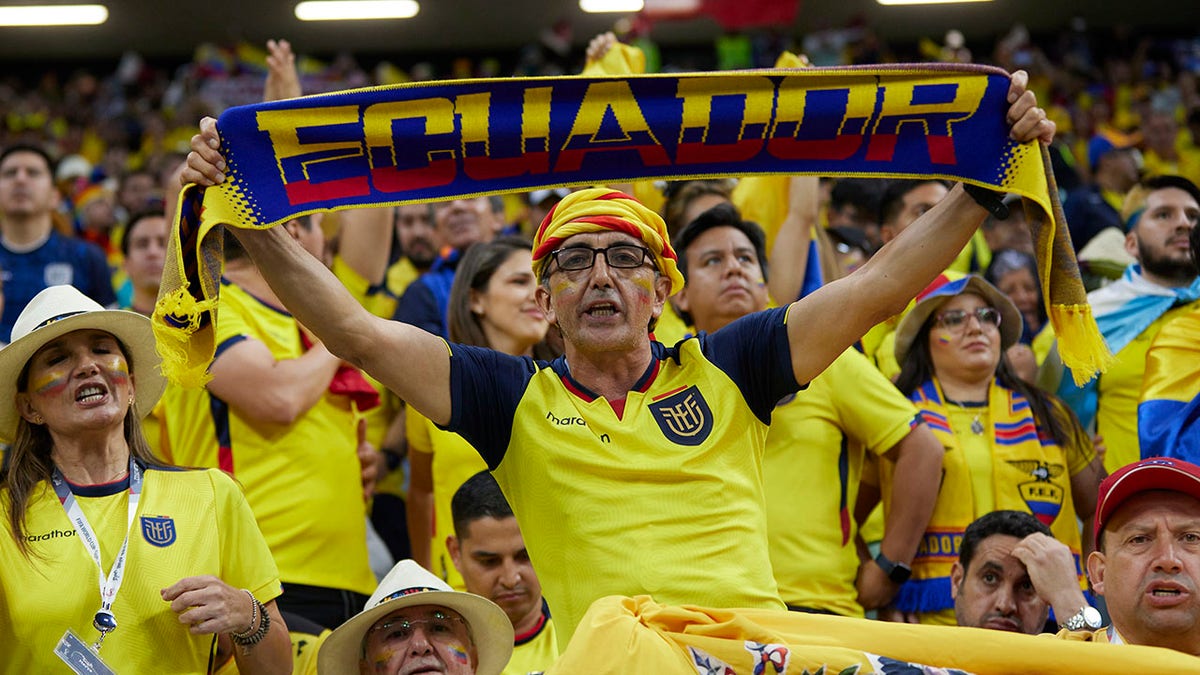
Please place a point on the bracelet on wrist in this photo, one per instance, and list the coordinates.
(989, 199)
(258, 617)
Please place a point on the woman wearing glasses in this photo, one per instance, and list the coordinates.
(1008, 445)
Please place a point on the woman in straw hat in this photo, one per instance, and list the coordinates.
(113, 561)
(1008, 445)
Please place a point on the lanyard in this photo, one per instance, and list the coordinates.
(104, 620)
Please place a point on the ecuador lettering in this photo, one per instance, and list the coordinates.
(429, 141)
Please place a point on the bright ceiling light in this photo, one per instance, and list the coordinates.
(602, 6)
(53, 15)
(343, 10)
(925, 2)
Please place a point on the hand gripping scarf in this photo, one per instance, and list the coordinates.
(421, 142)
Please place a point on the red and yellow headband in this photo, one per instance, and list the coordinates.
(600, 210)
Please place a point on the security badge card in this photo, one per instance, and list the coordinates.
(79, 656)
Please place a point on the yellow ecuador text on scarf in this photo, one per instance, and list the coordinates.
(433, 141)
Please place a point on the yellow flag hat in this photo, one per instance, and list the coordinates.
(600, 210)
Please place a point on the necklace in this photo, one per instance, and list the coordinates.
(976, 424)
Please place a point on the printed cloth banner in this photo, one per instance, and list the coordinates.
(621, 635)
(433, 141)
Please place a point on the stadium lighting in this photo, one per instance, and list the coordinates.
(925, 2)
(603, 6)
(53, 15)
(348, 10)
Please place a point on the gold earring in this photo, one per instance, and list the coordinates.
(37, 418)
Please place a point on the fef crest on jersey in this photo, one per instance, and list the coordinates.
(158, 530)
(683, 416)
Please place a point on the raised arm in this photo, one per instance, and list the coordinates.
(407, 360)
(843, 311)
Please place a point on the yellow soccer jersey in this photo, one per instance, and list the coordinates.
(535, 651)
(303, 481)
(189, 523)
(813, 464)
(454, 461)
(658, 494)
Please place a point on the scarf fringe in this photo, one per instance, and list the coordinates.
(178, 322)
(1080, 343)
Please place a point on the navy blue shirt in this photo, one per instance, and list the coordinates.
(61, 260)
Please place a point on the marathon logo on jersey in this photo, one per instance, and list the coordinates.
(52, 534)
(683, 415)
(159, 530)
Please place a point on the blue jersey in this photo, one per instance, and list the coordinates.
(61, 260)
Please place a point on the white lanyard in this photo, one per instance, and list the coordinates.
(104, 620)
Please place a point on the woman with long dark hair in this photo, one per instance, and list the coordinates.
(1008, 445)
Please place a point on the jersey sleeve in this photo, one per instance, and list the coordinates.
(870, 408)
(754, 352)
(246, 562)
(485, 389)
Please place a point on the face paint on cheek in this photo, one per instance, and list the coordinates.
(647, 286)
(50, 384)
(382, 661)
(458, 652)
(943, 338)
(562, 286)
(117, 368)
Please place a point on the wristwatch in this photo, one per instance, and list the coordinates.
(898, 572)
(1086, 618)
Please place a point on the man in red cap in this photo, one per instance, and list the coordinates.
(1147, 562)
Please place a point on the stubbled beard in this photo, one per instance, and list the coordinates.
(1180, 271)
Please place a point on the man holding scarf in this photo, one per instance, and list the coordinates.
(633, 468)
(1158, 215)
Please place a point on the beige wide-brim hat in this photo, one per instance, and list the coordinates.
(410, 585)
(945, 287)
(59, 310)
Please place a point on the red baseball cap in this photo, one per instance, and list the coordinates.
(1155, 473)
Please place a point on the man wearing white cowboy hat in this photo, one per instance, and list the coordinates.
(414, 622)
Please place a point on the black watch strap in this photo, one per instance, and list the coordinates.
(898, 572)
(989, 199)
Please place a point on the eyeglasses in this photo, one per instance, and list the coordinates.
(439, 628)
(956, 319)
(621, 256)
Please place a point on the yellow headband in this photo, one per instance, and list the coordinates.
(600, 210)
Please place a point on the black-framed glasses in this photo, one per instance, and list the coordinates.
(439, 627)
(621, 256)
(956, 319)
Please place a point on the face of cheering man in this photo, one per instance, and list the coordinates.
(602, 307)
